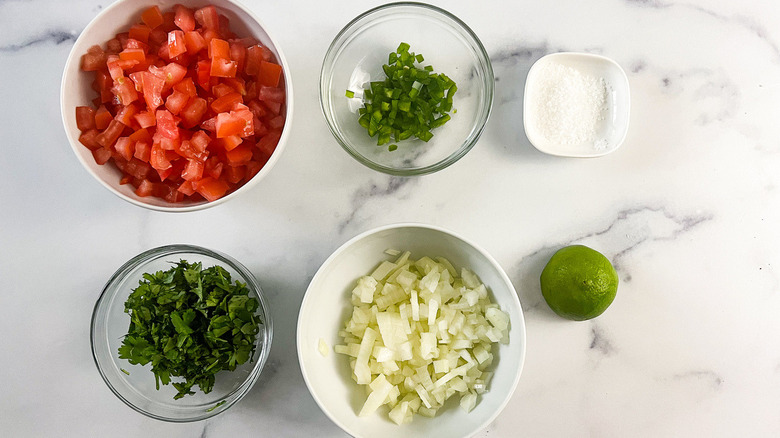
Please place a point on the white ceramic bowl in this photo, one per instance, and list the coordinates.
(326, 307)
(76, 90)
(610, 131)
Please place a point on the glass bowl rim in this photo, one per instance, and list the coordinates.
(265, 341)
(483, 61)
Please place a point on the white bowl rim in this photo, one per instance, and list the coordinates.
(73, 57)
(349, 243)
(605, 59)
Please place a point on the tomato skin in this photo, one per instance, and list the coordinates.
(223, 68)
(219, 49)
(89, 139)
(229, 124)
(85, 118)
(186, 86)
(241, 154)
(152, 17)
(208, 17)
(212, 189)
(125, 147)
(101, 155)
(269, 73)
(94, 59)
(226, 102)
(140, 32)
(184, 18)
(194, 41)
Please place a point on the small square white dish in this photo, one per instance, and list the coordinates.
(576, 105)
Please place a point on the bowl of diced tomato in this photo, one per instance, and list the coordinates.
(176, 105)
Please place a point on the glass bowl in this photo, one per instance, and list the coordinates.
(356, 56)
(137, 387)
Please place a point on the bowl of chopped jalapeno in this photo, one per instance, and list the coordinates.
(181, 333)
(406, 88)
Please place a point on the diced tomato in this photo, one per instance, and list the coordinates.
(146, 119)
(204, 74)
(140, 32)
(166, 124)
(102, 155)
(191, 125)
(238, 54)
(124, 146)
(176, 44)
(219, 49)
(193, 170)
(152, 86)
(234, 174)
(213, 167)
(133, 54)
(102, 118)
(184, 18)
(200, 141)
(193, 112)
(94, 59)
(85, 118)
(226, 102)
(194, 41)
(143, 151)
(176, 102)
(208, 17)
(241, 154)
(271, 94)
(158, 159)
(223, 68)
(231, 142)
(124, 89)
(229, 124)
(252, 168)
(110, 134)
(274, 107)
(212, 189)
(268, 143)
(187, 188)
(152, 17)
(89, 139)
(269, 74)
(126, 114)
(145, 188)
(254, 55)
(186, 86)
(276, 122)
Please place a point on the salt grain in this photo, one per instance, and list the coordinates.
(570, 106)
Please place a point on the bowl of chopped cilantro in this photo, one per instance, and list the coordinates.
(406, 88)
(181, 333)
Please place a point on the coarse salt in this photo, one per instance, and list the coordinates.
(570, 106)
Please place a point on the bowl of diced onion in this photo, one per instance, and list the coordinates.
(411, 330)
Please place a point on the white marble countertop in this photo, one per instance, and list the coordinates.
(688, 209)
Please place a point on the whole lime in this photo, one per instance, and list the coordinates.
(579, 283)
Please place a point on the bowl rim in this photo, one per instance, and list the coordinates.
(67, 123)
(346, 245)
(251, 281)
(549, 147)
(466, 146)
